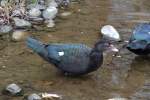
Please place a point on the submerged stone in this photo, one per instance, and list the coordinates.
(34, 12)
(34, 97)
(51, 23)
(50, 13)
(19, 35)
(5, 29)
(21, 23)
(13, 89)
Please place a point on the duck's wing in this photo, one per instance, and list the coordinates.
(69, 57)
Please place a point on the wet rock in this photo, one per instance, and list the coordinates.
(17, 13)
(36, 20)
(51, 23)
(110, 31)
(41, 2)
(34, 12)
(4, 3)
(118, 98)
(64, 3)
(5, 29)
(21, 23)
(19, 35)
(52, 3)
(65, 14)
(13, 89)
(50, 13)
(34, 97)
(37, 6)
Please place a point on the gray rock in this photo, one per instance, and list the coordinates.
(52, 3)
(36, 20)
(3, 3)
(51, 23)
(5, 29)
(38, 6)
(21, 23)
(13, 89)
(64, 3)
(34, 12)
(50, 13)
(19, 35)
(34, 97)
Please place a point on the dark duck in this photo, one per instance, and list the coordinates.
(140, 40)
(76, 59)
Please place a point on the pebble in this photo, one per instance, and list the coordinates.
(64, 3)
(21, 23)
(4, 3)
(12, 89)
(19, 35)
(3, 66)
(34, 97)
(5, 29)
(52, 3)
(34, 12)
(65, 14)
(110, 32)
(51, 23)
(118, 98)
(50, 13)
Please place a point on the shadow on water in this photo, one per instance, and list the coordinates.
(141, 64)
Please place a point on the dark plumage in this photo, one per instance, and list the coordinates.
(76, 59)
(140, 40)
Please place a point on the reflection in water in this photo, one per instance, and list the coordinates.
(142, 65)
(126, 13)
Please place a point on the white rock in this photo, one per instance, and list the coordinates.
(21, 22)
(110, 32)
(50, 13)
(13, 89)
(52, 3)
(5, 29)
(19, 35)
(118, 98)
(65, 14)
(51, 23)
(34, 97)
(4, 3)
(34, 12)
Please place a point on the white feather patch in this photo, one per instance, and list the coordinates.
(61, 53)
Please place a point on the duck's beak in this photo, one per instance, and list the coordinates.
(113, 48)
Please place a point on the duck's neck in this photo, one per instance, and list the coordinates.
(96, 55)
(99, 46)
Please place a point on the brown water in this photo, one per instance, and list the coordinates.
(127, 77)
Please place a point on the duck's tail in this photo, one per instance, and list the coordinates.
(35, 45)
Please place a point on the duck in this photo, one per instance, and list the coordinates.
(139, 42)
(75, 59)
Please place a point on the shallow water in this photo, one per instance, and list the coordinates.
(127, 77)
